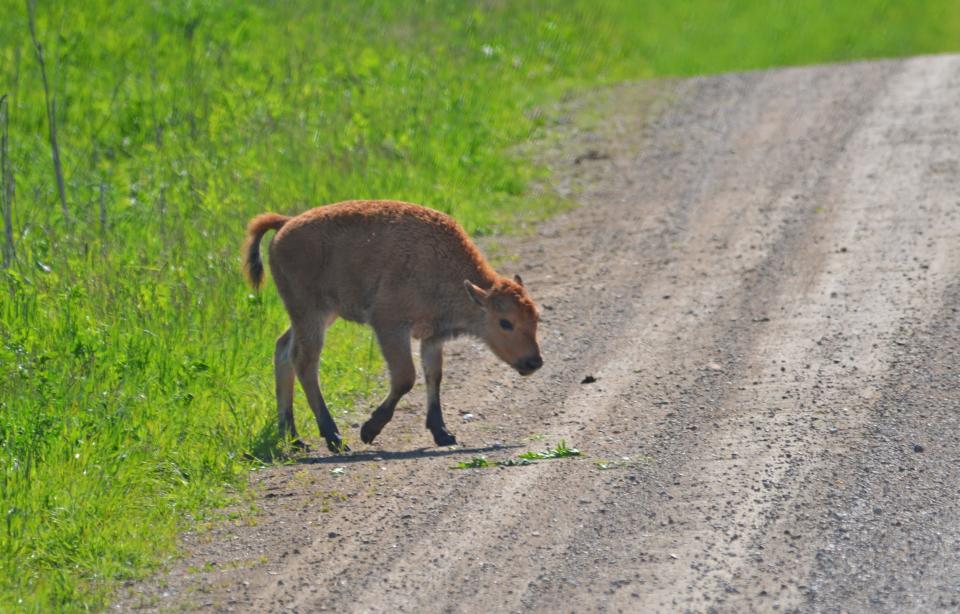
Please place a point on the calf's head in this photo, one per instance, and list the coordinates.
(509, 323)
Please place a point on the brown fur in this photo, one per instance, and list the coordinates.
(404, 270)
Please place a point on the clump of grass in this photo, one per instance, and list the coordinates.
(527, 458)
(477, 462)
(560, 451)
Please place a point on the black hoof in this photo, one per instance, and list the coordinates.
(336, 445)
(299, 446)
(368, 432)
(443, 437)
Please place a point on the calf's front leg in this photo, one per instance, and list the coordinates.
(395, 345)
(431, 356)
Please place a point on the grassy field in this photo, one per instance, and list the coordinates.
(135, 370)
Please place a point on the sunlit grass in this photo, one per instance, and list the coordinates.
(135, 367)
(562, 450)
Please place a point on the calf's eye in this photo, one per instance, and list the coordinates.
(506, 325)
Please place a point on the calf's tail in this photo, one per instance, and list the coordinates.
(258, 226)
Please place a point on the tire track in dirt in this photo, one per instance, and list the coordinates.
(743, 272)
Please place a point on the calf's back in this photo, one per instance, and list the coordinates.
(370, 261)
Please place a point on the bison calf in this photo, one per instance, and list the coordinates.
(406, 271)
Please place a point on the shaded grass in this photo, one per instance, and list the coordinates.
(136, 378)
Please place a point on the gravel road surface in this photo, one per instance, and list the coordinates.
(762, 276)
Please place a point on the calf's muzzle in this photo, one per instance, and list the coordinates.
(526, 366)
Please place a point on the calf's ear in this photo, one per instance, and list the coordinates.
(517, 279)
(476, 293)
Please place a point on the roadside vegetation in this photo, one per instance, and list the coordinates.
(527, 458)
(139, 137)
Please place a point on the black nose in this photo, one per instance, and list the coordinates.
(532, 363)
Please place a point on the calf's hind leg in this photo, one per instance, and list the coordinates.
(431, 355)
(285, 376)
(395, 345)
(307, 344)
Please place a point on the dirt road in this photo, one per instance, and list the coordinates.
(763, 277)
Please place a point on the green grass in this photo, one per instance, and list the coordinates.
(527, 458)
(560, 451)
(135, 372)
(477, 462)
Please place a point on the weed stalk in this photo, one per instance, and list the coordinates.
(6, 184)
(51, 105)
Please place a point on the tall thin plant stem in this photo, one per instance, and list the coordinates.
(6, 184)
(51, 105)
(103, 211)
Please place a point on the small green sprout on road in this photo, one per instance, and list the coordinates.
(477, 462)
(561, 451)
(527, 458)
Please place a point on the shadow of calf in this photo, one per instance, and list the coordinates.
(383, 455)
